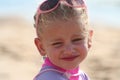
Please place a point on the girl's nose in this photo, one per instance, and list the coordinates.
(69, 49)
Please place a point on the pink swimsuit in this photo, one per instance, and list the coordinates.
(51, 72)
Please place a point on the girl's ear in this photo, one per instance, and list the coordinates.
(39, 46)
(90, 39)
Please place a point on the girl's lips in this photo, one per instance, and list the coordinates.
(70, 58)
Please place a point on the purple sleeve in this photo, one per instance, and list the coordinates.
(84, 76)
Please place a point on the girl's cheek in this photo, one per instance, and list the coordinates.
(83, 47)
(54, 50)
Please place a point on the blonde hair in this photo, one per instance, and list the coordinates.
(63, 13)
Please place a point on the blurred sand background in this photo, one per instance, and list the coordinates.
(20, 60)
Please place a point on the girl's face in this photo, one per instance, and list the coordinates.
(64, 43)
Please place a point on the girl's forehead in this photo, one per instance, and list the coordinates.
(70, 23)
(64, 27)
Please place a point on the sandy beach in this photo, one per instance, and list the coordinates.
(20, 60)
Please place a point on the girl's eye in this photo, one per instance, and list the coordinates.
(57, 44)
(77, 40)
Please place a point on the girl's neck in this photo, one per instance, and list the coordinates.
(47, 62)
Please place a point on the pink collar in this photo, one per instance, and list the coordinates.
(49, 63)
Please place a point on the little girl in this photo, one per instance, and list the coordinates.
(63, 38)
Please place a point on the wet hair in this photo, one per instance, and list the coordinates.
(62, 13)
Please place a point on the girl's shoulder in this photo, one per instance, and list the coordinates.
(50, 74)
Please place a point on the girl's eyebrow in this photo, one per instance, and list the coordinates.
(55, 40)
(74, 35)
(78, 34)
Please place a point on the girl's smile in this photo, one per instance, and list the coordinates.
(69, 58)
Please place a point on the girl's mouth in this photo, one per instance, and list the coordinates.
(70, 58)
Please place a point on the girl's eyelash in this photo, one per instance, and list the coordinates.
(57, 43)
(77, 39)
